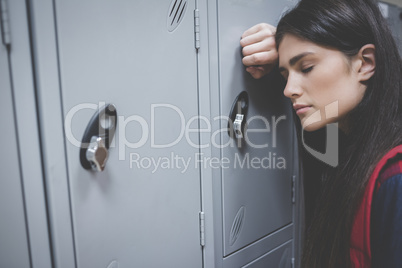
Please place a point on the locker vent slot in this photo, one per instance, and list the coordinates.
(236, 226)
(176, 13)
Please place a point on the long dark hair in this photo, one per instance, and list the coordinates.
(375, 125)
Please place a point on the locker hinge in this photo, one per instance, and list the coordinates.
(292, 261)
(293, 189)
(5, 26)
(197, 28)
(202, 228)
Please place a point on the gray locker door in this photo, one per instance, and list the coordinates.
(24, 234)
(14, 248)
(257, 190)
(134, 213)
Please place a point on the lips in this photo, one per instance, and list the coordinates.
(301, 108)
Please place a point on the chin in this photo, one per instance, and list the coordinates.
(313, 126)
(318, 125)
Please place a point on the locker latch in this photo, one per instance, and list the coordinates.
(97, 138)
(237, 126)
(237, 117)
(97, 153)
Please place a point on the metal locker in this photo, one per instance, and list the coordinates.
(24, 238)
(130, 54)
(254, 214)
(12, 220)
(263, 190)
(172, 70)
(178, 189)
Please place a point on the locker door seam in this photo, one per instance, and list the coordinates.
(30, 31)
(64, 131)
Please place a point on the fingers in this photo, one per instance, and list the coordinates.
(269, 29)
(265, 45)
(257, 37)
(259, 49)
(261, 58)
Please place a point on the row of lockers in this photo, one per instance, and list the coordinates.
(177, 188)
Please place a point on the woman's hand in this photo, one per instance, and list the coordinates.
(259, 49)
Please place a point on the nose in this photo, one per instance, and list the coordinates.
(293, 89)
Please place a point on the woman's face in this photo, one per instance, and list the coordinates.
(322, 83)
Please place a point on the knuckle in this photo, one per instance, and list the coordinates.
(267, 32)
(270, 42)
(258, 59)
(259, 26)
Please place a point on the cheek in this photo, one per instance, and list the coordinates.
(333, 104)
(334, 85)
(350, 101)
(324, 90)
(349, 93)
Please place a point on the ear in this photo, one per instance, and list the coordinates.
(366, 57)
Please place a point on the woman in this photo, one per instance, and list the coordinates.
(339, 59)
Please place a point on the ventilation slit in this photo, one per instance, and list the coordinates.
(173, 8)
(236, 226)
(175, 14)
(182, 10)
(177, 11)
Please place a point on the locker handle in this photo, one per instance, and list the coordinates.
(237, 116)
(97, 137)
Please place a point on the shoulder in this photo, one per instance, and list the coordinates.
(386, 216)
(389, 173)
(387, 197)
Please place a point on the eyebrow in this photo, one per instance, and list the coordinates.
(295, 59)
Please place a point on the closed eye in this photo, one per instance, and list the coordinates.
(307, 70)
